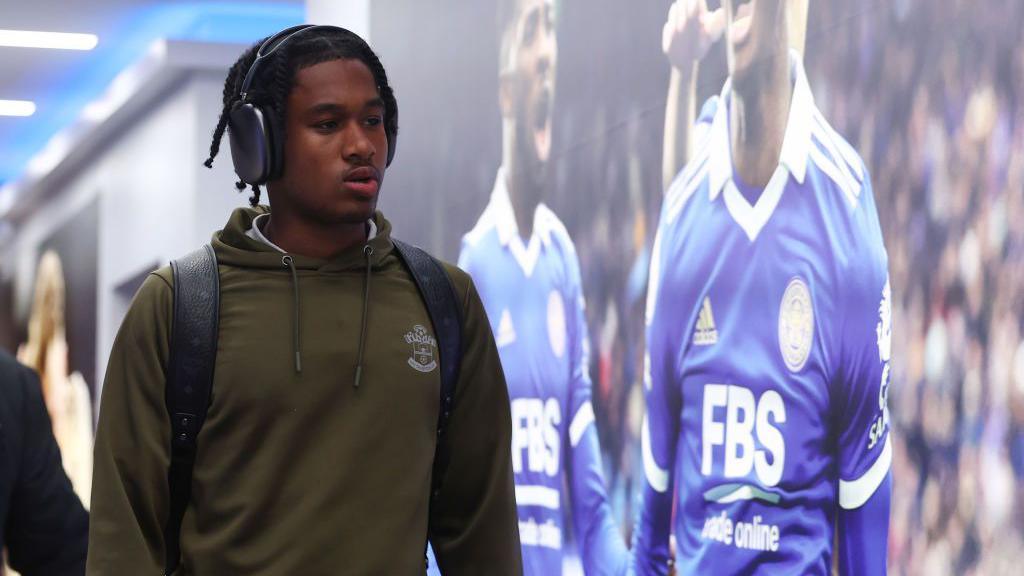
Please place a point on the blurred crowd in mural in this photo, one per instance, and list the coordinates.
(932, 95)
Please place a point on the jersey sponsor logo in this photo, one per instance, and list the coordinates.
(796, 324)
(705, 334)
(556, 324)
(884, 327)
(423, 347)
(884, 332)
(506, 330)
(535, 435)
(746, 418)
(752, 535)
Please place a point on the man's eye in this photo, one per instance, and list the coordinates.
(374, 121)
(326, 125)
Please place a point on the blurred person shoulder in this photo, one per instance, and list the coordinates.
(14, 381)
(42, 522)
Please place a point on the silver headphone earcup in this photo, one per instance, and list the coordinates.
(250, 143)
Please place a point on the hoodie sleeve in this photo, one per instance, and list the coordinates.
(130, 489)
(473, 523)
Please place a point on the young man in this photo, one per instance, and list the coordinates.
(42, 522)
(525, 266)
(769, 333)
(317, 451)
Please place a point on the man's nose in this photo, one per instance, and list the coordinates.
(357, 143)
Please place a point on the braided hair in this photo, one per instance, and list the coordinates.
(276, 77)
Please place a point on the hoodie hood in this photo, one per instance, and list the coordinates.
(235, 248)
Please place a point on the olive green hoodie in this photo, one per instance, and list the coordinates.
(299, 470)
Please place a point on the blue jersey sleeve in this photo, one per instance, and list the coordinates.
(660, 430)
(865, 450)
(602, 548)
(863, 534)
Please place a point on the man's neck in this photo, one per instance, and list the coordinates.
(311, 240)
(759, 113)
(524, 201)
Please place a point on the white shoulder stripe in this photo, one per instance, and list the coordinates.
(828, 138)
(679, 195)
(657, 477)
(855, 493)
(822, 136)
(694, 167)
(825, 164)
(847, 151)
(580, 422)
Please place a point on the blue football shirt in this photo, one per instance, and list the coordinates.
(533, 297)
(768, 348)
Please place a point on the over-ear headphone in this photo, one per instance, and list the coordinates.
(257, 147)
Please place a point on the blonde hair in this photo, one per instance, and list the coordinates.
(47, 318)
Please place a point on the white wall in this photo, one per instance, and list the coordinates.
(351, 14)
(156, 199)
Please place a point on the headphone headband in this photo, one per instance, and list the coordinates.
(270, 45)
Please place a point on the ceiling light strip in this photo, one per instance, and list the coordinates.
(17, 108)
(56, 40)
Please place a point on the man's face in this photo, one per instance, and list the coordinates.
(529, 81)
(753, 30)
(335, 146)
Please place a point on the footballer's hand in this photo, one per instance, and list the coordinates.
(689, 31)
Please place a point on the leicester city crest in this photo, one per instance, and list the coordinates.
(796, 324)
(423, 349)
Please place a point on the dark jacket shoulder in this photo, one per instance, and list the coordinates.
(42, 522)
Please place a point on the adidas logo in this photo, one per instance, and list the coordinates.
(705, 334)
(506, 331)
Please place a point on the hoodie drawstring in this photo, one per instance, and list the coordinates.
(287, 261)
(368, 251)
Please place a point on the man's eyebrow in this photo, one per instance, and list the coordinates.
(332, 108)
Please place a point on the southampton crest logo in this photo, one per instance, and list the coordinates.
(423, 347)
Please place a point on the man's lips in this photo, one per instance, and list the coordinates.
(361, 173)
(364, 180)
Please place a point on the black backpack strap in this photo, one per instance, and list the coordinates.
(442, 303)
(189, 379)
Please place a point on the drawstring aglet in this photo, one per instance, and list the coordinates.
(368, 251)
(296, 342)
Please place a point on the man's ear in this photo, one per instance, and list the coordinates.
(506, 94)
